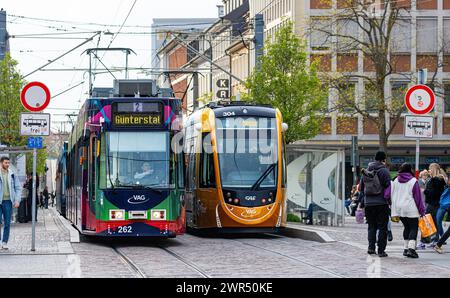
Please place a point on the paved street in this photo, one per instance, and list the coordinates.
(195, 256)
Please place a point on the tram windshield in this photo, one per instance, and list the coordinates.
(138, 159)
(248, 155)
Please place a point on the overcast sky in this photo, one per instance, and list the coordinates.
(32, 53)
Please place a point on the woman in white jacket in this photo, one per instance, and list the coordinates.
(407, 204)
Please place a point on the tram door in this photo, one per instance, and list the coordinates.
(190, 189)
(92, 174)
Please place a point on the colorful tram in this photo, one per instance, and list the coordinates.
(119, 176)
(236, 169)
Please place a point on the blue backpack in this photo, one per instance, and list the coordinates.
(445, 199)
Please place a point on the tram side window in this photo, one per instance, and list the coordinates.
(181, 170)
(191, 169)
(207, 177)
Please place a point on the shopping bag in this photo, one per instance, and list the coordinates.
(359, 214)
(427, 226)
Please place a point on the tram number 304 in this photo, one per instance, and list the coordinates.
(125, 230)
(229, 114)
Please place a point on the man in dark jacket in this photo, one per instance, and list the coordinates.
(377, 206)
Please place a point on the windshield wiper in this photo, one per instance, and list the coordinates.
(263, 177)
(138, 186)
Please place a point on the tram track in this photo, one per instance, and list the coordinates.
(335, 254)
(140, 273)
(186, 262)
(133, 267)
(334, 274)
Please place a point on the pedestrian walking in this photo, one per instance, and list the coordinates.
(46, 197)
(374, 182)
(423, 179)
(10, 192)
(407, 204)
(30, 197)
(433, 192)
(444, 208)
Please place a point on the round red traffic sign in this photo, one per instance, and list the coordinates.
(35, 97)
(420, 99)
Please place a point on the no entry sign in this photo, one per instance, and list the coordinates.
(420, 99)
(35, 97)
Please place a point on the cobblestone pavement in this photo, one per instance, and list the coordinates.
(259, 256)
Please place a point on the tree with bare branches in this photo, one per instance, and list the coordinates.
(371, 29)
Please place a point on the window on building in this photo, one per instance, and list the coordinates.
(446, 41)
(398, 91)
(447, 98)
(318, 38)
(347, 30)
(401, 36)
(370, 98)
(427, 39)
(347, 97)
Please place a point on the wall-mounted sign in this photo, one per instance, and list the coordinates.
(223, 94)
(223, 83)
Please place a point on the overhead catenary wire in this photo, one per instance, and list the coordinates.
(64, 54)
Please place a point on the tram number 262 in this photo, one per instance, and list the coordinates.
(125, 230)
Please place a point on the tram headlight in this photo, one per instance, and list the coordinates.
(236, 201)
(117, 214)
(158, 214)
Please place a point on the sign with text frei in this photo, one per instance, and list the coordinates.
(419, 126)
(34, 124)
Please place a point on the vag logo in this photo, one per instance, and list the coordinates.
(249, 212)
(250, 198)
(138, 199)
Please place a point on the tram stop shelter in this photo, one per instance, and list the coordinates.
(316, 182)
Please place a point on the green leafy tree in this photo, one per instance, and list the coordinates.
(287, 81)
(11, 84)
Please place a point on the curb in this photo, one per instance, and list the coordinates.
(304, 233)
(74, 235)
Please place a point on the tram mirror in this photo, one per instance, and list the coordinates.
(198, 126)
(285, 127)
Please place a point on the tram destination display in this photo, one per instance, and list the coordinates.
(138, 114)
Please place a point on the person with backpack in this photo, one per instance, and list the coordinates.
(433, 192)
(374, 182)
(407, 205)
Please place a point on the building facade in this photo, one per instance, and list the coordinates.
(201, 59)
(420, 42)
(161, 29)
